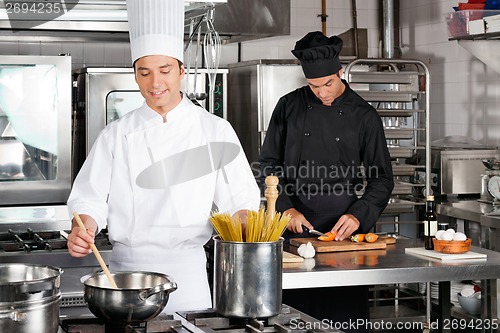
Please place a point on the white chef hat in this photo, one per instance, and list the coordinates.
(156, 27)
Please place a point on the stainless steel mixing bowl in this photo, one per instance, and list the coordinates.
(140, 296)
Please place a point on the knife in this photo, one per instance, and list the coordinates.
(312, 231)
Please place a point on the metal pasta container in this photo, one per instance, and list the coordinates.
(248, 278)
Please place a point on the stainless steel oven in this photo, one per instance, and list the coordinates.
(35, 129)
(105, 94)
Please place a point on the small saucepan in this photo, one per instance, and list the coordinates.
(140, 296)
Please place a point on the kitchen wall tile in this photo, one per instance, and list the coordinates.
(259, 52)
(442, 72)
(76, 65)
(229, 54)
(490, 112)
(340, 18)
(50, 48)
(436, 131)
(456, 129)
(306, 18)
(304, 4)
(93, 54)
(9, 48)
(374, 43)
(28, 48)
(117, 55)
(463, 93)
(436, 93)
(460, 113)
(368, 19)
(449, 52)
(343, 4)
(422, 15)
(490, 135)
(75, 49)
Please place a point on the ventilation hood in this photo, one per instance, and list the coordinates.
(234, 20)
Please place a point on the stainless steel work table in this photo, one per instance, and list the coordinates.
(470, 210)
(473, 211)
(393, 265)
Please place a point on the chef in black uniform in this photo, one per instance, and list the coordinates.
(322, 140)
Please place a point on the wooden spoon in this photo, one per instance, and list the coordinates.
(97, 254)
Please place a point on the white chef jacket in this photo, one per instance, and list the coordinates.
(162, 226)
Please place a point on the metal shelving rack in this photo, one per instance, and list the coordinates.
(399, 90)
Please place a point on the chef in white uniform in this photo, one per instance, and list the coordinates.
(153, 176)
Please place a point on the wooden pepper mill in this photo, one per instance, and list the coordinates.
(271, 194)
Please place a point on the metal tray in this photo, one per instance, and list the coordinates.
(402, 152)
(396, 206)
(403, 188)
(405, 169)
(398, 112)
(399, 133)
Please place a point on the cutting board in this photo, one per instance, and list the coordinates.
(334, 246)
(291, 258)
(444, 256)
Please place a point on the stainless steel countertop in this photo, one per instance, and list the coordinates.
(470, 210)
(491, 221)
(391, 265)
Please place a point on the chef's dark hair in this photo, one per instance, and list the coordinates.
(178, 61)
(318, 54)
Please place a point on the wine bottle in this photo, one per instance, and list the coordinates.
(430, 222)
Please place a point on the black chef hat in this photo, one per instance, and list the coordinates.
(318, 54)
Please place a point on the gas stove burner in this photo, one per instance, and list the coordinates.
(132, 328)
(162, 323)
(289, 320)
(212, 319)
(30, 241)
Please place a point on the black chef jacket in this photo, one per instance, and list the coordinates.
(318, 151)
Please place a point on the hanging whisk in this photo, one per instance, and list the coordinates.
(212, 45)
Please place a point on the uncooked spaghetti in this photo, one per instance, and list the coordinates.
(260, 227)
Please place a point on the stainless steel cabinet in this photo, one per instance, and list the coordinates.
(254, 88)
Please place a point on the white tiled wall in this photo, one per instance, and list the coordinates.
(304, 18)
(465, 93)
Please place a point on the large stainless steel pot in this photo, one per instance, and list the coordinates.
(29, 298)
(20, 282)
(248, 278)
(140, 296)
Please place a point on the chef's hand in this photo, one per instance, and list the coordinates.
(79, 240)
(345, 226)
(297, 221)
(242, 214)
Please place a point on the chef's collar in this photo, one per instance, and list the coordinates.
(337, 100)
(178, 111)
(171, 116)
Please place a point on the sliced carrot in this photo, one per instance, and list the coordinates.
(328, 237)
(357, 238)
(370, 237)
